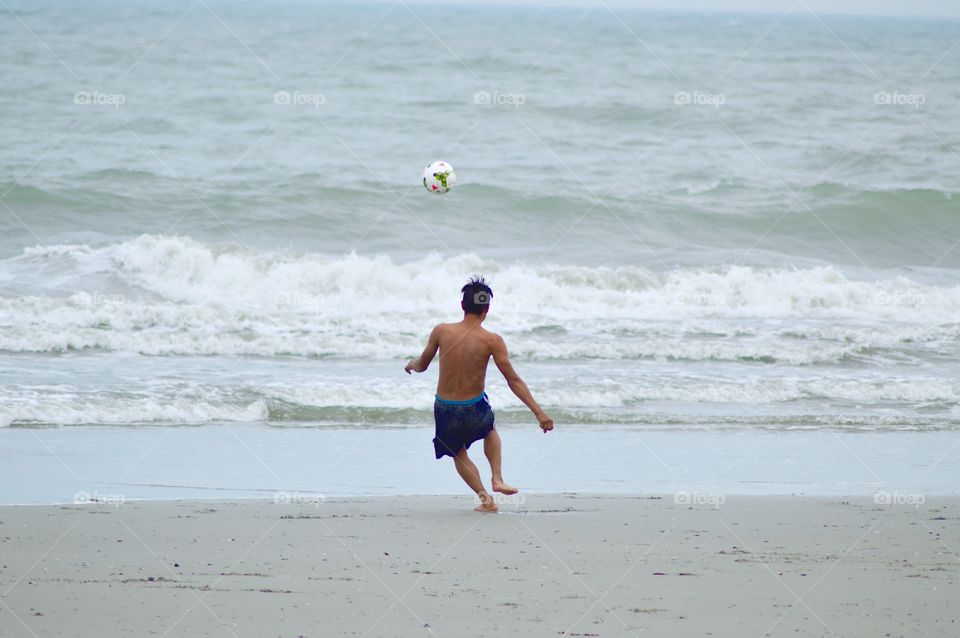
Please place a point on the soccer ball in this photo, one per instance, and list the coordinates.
(439, 177)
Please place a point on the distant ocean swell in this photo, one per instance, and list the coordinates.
(121, 193)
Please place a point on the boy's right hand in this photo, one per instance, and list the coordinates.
(546, 423)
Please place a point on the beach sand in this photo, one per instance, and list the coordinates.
(550, 565)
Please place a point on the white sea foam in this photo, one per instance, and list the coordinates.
(59, 410)
(173, 295)
(380, 401)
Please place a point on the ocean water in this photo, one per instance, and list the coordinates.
(210, 214)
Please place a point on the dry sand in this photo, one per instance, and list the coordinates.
(555, 565)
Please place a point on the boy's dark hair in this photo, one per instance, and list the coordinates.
(476, 296)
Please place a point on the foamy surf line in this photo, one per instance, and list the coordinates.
(182, 270)
(159, 295)
(191, 331)
(926, 403)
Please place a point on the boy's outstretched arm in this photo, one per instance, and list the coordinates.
(421, 364)
(517, 385)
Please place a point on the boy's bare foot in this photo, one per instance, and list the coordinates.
(486, 504)
(503, 488)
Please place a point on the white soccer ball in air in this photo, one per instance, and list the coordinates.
(439, 177)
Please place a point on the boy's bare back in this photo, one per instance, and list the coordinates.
(465, 350)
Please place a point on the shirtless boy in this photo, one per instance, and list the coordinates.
(461, 410)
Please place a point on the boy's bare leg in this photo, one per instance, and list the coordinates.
(491, 447)
(471, 476)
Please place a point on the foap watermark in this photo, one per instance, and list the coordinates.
(96, 98)
(896, 98)
(901, 298)
(698, 98)
(98, 298)
(87, 498)
(899, 498)
(496, 98)
(296, 98)
(295, 299)
(714, 500)
(702, 299)
(501, 500)
(299, 498)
